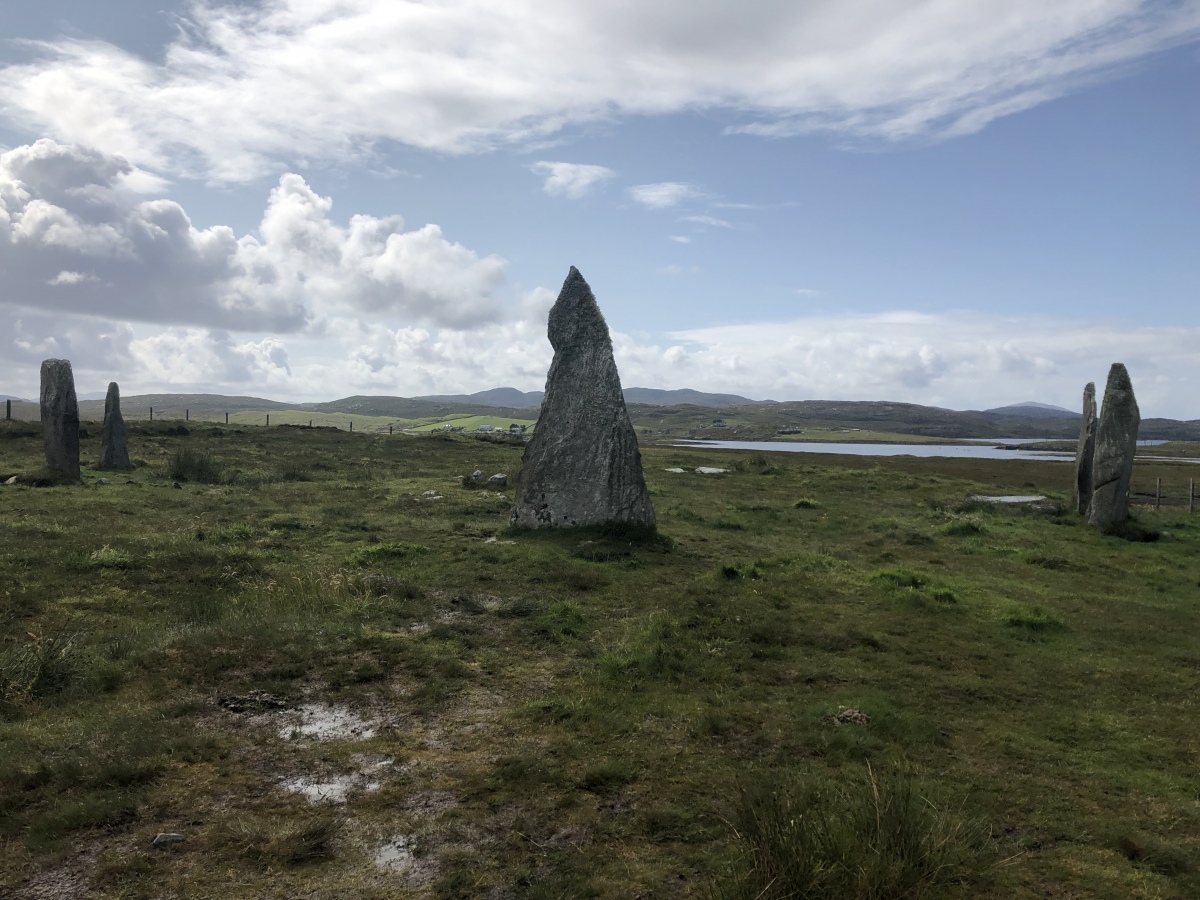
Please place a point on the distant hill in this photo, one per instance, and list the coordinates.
(693, 414)
(504, 396)
(16, 399)
(1032, 410)
(514, 399)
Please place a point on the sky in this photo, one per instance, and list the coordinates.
(955, 204)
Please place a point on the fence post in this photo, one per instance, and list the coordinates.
(389, 429)
(1157, 493)
(187, 415)
(1191, 495)
(351, 424)
(7, 410)
(268, 418)
(226, 418)
(310, 423)
(152, 414)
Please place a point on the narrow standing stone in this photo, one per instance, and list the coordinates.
(582, 466)
(114, 451)
(1086, 450)
(60, 417)
(1116, 444)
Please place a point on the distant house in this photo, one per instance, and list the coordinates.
(514, 428)
(718, 423)
(485, 428)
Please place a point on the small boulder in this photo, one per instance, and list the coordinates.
(709, 470)
(498, 480)
(102, 481)
(166, 839)
(14, 480)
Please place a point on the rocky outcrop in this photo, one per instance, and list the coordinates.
(582, 466)
(1116, 443)
(114, 450)
(60, 417)
(1085, 451)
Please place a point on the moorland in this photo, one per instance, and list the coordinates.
(329, 665)
(661, 422)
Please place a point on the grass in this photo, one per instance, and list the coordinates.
(603, 713)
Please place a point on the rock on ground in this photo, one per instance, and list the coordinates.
(60, 417)
(582, 466)
(1116, 443)
(114, 450)
(1085, 452)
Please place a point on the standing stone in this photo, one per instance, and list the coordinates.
(60, 417)
(582, 466)
(1085, 451)
(114, 451)
(1116, 443)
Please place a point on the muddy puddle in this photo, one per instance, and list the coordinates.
(318, 721)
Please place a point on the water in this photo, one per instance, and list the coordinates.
(957, 451)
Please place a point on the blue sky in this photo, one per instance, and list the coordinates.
(304, 199)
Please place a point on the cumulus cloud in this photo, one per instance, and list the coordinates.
(248, 85)
(75, 236)
(663, 194)
(573, 180)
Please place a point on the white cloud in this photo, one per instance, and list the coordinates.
(68, 277)
(711, 221)
(246, 87)
(573, 180)
(958, 361)
(679, 238)
(663, 194)
(74, 236)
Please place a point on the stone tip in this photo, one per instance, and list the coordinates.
(1118, 378)
(575, 317)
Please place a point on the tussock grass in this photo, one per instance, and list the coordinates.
(188, 464)
(868, 838)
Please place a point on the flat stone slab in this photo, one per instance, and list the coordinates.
(709, 470)
(1009, 498)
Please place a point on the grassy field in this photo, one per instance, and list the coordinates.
(330, 667)
(472, 423)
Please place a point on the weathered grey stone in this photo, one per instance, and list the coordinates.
(166, 839)
(582, 466)
(498, 480)
(60, 417)
(1116, 443)
(1085, 451)
(114, 451)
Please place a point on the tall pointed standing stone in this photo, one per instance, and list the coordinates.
(1116, 444)
(582, 466)
(60, 417)
(114, 450)
(1085, 451)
